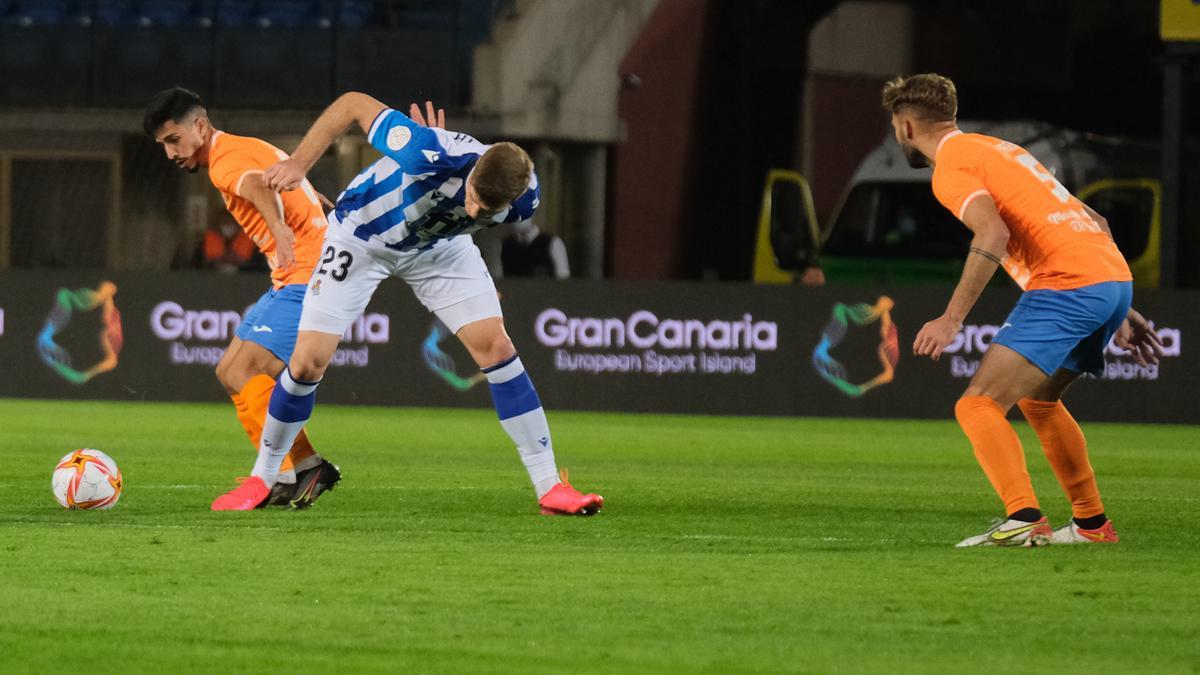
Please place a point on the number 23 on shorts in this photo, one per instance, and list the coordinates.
(341, 261)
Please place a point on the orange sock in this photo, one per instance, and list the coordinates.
(252, 413)
(1065, 447)
(998, 450)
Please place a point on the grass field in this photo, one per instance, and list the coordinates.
(727, 545)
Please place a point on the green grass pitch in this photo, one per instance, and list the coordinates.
(727, 545)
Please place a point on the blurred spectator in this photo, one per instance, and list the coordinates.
(529, 252)
(226, 247)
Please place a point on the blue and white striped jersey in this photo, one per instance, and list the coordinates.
(413, 196)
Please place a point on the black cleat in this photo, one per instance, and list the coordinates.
(311, 483)
(281, 494)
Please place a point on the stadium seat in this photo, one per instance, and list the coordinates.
(110, 13)
(355, 14)
(169, 13)
(234, 13)
(40, 13)
(284, 13)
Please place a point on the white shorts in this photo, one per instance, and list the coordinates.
(450, 279)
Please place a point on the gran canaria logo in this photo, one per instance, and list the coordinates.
(66, 303)
(835, 331)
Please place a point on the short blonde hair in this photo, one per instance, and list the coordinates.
(930, 96)
(502, 174)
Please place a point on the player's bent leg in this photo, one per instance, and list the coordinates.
(292, 401)
(331, 302)
(314, 350)
(517, 404)
(289, 408)
(265, 338)
(249, 374)
(1003, 377)
(224, 364)
(1066, 449)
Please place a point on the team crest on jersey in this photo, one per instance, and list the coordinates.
(316, 287)
(398, 137)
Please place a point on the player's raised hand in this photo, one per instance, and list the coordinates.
(934, 336)
(1139, 337)
(431, 118)
(284, 175)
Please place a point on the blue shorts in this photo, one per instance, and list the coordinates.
(1066, 329)
(274, 320)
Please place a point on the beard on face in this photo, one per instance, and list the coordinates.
(915, 159)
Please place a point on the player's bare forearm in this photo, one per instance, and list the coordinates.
(986, 253)
(267, 202)
(977, 272)
(348, 109)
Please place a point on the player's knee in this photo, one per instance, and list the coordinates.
(223, 376)
(499, 348)
(234, 376)
(308, 367)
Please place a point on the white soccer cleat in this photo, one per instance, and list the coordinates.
(1074, 534)
(1012, 533)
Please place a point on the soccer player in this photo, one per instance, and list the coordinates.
(407, 215)
(288, 229)
(1077, 295)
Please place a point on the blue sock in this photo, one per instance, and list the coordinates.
(522, 417)
(290, 407)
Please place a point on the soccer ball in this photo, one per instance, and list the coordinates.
(87, 479)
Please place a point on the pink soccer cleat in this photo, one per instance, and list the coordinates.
(564, 500)
(250, 495)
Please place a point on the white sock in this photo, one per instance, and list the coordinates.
(290, 407)
(522, 417)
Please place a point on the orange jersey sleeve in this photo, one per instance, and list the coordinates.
(233, 160)
(1053, 241)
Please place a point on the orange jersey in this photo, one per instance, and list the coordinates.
(1053, 242)
(235, 159)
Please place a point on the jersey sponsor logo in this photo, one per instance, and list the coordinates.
(398, 137)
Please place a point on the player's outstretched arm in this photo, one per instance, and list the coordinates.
(346, 110)
(987, 251)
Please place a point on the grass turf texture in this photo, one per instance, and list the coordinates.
(728, 545)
